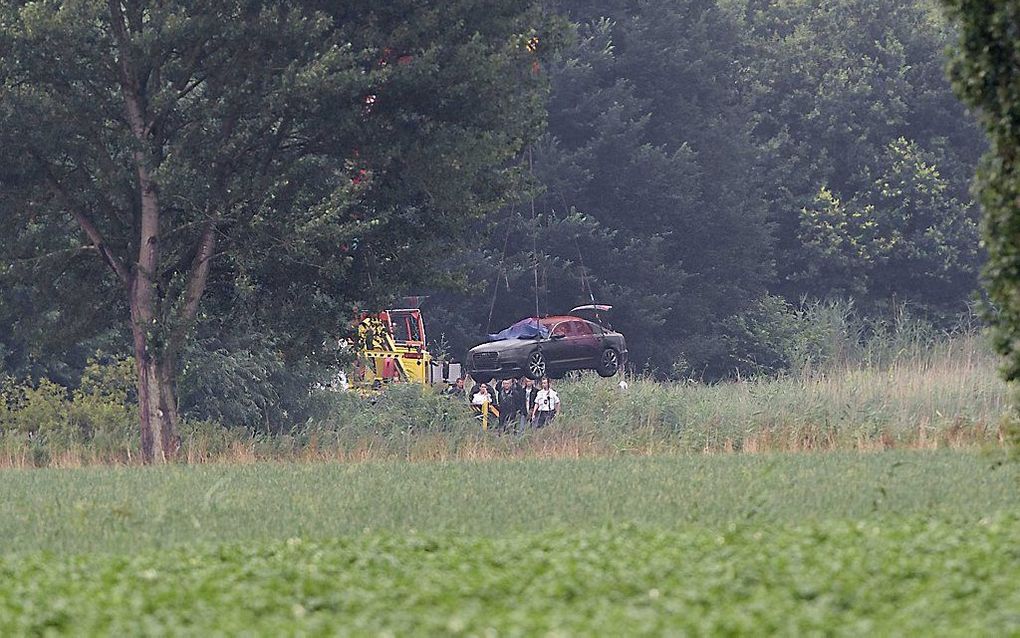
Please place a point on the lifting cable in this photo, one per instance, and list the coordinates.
(502, 270)
(585, 284)
(506, 243)
(534, 226)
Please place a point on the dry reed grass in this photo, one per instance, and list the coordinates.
(946, 396)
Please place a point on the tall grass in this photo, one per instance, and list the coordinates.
(906, 388)
(945, 395)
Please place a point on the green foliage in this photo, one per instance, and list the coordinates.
(238, 381)
(695, 158)
(901, 542)
(903, 386)
(126, 510)
(643, 196)
(774, 337)
(850, 96)
(101, 414)
(906, 238)
(335, 151)
(48, 328)
(701, 155)
(986, 75)
(810, 578)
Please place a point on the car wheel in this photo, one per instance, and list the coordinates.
(536, 366)
(609, 363)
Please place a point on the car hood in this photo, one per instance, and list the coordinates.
(502, 346)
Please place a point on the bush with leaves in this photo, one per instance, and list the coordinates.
(101, 412)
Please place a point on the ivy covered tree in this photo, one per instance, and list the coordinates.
(254, 162)
(985, 70)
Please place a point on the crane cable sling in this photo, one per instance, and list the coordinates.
(585, 282)
(506, 242)
(534, 226)
(502, 259)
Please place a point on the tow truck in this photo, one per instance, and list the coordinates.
(392, 348)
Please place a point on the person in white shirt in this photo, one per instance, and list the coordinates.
(482, 396)
(547, 404)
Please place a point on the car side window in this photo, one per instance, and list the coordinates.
(562, 328)
(582, 329)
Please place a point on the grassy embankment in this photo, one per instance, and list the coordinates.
(846, 543)
(934, 395)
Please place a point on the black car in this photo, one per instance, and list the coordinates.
(550, 346)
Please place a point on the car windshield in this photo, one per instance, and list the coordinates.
(529, 328)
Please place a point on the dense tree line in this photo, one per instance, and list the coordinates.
(215, 188)
(703, 155)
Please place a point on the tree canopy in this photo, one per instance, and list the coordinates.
(216, 187)
(985, 68)
(700, 155)
(255, 163)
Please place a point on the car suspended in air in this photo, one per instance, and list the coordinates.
(550, 346)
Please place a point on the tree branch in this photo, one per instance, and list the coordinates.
(91, 231)
(197, 278)
(128, 79)
(55, 253)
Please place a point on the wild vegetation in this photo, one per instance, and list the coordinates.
(122, 510)
(862, 578)
(986, 75)
(197, 198)
(723, 544)
(702, 157)
(211, 176)
(904, 386)
(711, 168)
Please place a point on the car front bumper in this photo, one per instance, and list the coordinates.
(503, 365)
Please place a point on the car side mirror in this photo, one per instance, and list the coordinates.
(557, 336)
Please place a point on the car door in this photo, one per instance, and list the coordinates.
(557, 349)
(585, 343)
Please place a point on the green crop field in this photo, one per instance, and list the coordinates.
(850, 543)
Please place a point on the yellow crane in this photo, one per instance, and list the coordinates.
(392, 348)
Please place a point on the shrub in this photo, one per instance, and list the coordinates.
(49, 418)
(775, 337)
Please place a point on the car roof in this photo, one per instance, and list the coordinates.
(555, 319)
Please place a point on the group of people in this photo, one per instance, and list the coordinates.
(520, 402)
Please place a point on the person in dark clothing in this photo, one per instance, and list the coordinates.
(507, 400)
(526, 403)
(456, 389)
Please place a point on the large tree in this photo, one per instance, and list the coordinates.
(279, 160)
(985, 69)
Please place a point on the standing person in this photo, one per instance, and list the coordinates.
(506, 401)
(547, 404)
(526, 404)
(455, 389)
(483, 403)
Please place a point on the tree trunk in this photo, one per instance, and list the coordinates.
(157, 401)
